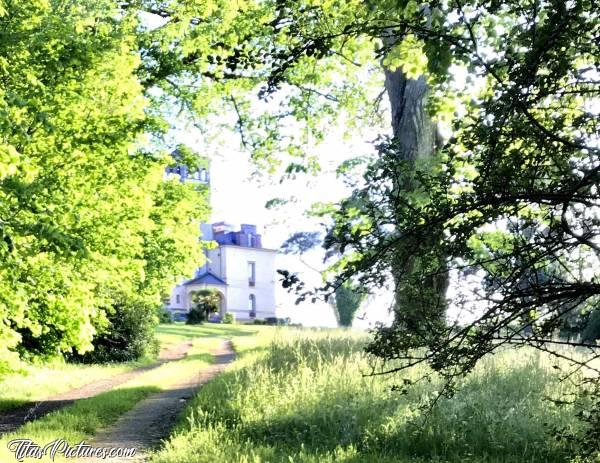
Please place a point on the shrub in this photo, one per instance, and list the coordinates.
(277, 321)
(229, 318)
(591, 332)
(196, 316)
(128, 336)
(164, 315)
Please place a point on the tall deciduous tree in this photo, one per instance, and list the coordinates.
(512, 199)
(87, 222)
(347, 301)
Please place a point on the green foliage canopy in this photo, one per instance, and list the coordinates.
(347, 302)
(87, 222)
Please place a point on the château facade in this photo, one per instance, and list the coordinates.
(239, 269)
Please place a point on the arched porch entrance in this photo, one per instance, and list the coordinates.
(218, 292)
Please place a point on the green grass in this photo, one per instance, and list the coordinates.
(84, 418)
(36, 382)
(177, 332)
(245, 338)
(304, 398)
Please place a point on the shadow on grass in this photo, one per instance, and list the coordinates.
(205, 357)
(366, 425)
(86, 416)
(9, 404)
(497, 417)
(205, 330)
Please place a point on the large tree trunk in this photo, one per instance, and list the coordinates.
(413, 129)
(416, 138)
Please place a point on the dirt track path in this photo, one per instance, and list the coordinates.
(11, 420)
(151, 420)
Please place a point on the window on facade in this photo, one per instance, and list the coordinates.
(204, 175)
(252, 305)
(251, 273)
(250, 240)
(177, 299)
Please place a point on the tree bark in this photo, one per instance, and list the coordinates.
(415, 135)
(412, 127)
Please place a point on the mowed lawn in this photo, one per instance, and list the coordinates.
(244, 336)
(304, 397)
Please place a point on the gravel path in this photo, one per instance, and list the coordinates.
(151, 420)
(11, 420)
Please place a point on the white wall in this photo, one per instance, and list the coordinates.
(230, 263)
(235, 265)
(180, 291)
(213, 264)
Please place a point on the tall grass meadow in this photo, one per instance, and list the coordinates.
(308, 397)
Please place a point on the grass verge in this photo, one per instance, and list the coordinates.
(36, 382)
(305, 398)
